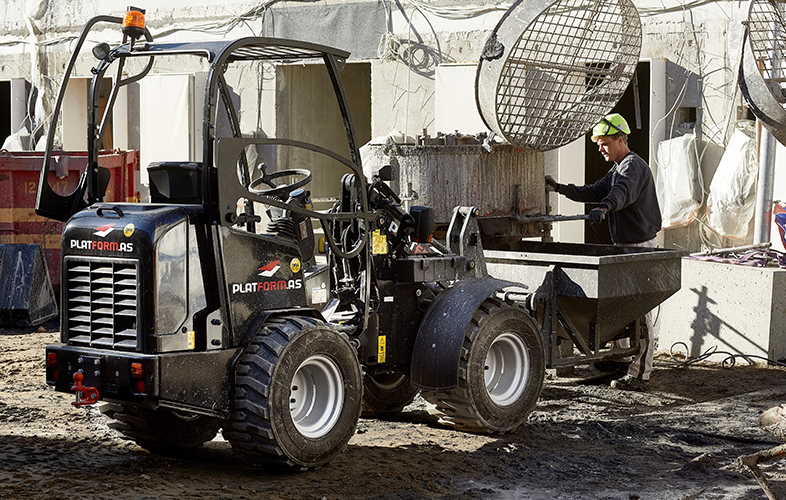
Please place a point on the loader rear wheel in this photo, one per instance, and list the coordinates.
(298, 393)
(161, 431)
(386, 393)
(501, 371)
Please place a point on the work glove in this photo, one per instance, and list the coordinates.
(597, 215)
(551, 184)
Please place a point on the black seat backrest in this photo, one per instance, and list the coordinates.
(175, 182)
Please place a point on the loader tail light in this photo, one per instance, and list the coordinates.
(138, 376)
(134, 22)
(52, 368)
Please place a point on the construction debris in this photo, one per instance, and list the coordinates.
(774, 422)
(757, 255)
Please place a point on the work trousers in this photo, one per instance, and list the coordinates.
(641, 365)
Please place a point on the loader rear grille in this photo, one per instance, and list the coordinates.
(101, 307)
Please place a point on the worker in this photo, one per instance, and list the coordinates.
(626, 196)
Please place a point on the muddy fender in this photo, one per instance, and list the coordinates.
(435, 357)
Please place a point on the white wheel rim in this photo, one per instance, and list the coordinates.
(506, 370)
(316, 396)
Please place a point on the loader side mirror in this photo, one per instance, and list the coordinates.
(385, 173)
(100, 51)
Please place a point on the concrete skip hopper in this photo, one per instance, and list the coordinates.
(599, 289)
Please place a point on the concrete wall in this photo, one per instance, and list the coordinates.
(306, 110)
(705, 40)
(738, 309)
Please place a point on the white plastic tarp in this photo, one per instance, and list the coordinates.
(732, 197)
(678, 184)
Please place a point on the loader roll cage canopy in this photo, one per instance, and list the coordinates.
(219, 54)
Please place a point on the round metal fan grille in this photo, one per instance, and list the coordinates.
(767, 35)
(762, 72)
(567, 69)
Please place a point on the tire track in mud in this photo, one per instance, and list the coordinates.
(583, 440)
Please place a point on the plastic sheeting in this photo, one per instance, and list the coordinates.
(18, 141)
(779, 216)
(732, 197)
(678, 183)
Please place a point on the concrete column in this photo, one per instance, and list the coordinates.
(20, 90)
(764, 187)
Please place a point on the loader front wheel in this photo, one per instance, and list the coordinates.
(501, 371)
(298, 393)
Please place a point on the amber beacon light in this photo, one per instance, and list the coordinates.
(134, 22)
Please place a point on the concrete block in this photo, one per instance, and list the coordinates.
(739, 309)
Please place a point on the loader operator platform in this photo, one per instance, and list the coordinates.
(626, 196)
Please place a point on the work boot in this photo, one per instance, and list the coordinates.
(629, 383)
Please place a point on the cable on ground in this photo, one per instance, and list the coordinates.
(682, 360)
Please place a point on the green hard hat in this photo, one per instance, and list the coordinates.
(610, 125)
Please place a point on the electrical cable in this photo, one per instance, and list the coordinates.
(679, 360)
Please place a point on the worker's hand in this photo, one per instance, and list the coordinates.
(551, 184)
(597, 215)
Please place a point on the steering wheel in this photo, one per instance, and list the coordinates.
(282, 190)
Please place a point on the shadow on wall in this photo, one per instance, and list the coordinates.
(707, 325)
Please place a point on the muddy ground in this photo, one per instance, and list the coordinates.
(679, 440)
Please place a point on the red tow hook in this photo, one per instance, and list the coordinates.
(84, 395)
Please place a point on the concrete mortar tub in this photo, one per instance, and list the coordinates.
(600, 289)
(506, 182)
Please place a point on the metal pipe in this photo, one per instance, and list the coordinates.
(550, 218)
(764, 187)
(744, 248)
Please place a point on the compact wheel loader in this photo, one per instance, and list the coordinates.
(215, 307)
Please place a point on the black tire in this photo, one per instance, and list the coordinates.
(471, 406)
(386, 393)
(161, 431)
(262, 426)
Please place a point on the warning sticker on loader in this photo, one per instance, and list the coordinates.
(379, 243)
(382, 349)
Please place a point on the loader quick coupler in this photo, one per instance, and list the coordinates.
(85, 395)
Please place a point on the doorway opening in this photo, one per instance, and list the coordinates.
(635, 107)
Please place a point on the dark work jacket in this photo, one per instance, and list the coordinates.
(628, 192)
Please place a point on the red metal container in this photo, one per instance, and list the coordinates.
(19, 184)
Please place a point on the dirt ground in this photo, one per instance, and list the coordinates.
(585, 440)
